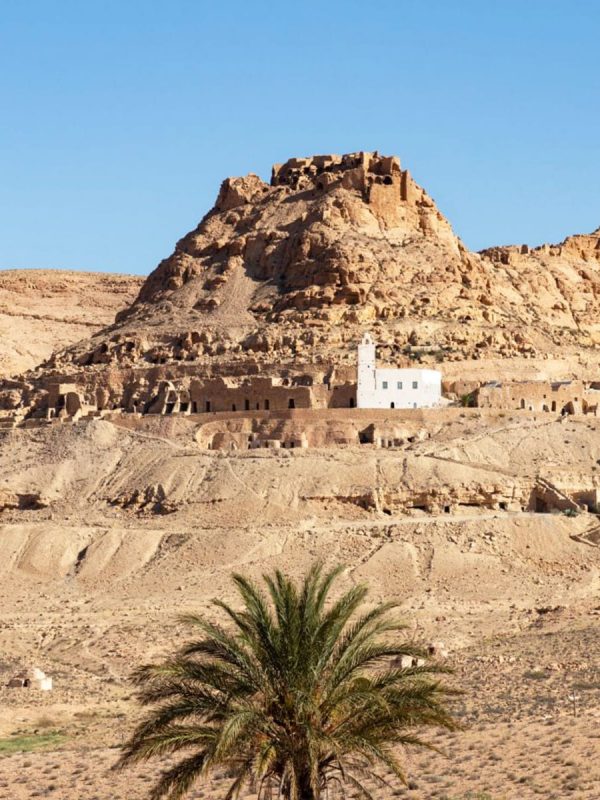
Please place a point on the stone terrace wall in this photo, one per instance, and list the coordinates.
(315, 427)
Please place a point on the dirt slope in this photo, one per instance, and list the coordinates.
(44, 310)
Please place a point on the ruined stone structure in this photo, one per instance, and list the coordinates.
(309, 428)
(559, 397)
(248, 394)
(31, 679)
(192, 395)
(363, 171)
(67, 401)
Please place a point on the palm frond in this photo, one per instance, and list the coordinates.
(298, 691)
(175, 782)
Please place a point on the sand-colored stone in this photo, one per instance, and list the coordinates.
(281, 280)
(294, 270)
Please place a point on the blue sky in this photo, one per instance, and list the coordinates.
(120, 119)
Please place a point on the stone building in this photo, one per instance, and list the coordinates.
(394, 388)
(66, 400)
(558, 397)
(248, 394)
(31, 679)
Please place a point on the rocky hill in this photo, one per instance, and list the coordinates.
(111, 526)
(43, 310)
(296, 268)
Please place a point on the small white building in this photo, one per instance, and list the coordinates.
(394, 388)
(31, 679)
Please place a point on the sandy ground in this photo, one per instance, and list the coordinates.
(91, 582)
(532, 685)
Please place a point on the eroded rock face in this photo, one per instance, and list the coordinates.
(296, 269)
(323, 234)
(561, 280)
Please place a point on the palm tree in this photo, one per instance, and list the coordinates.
(296, 695)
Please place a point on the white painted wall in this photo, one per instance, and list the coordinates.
(394, 388)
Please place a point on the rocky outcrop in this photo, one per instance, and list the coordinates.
(322, 235)
(561, 281)
(296, 268)
(28, 501)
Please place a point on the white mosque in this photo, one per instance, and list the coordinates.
(394, 388)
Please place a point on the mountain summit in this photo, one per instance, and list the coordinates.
(297, 268)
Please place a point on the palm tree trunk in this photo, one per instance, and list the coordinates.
(305, 789)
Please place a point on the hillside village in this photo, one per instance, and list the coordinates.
(305, 410)
(262, 308)
(142, 392)
(355, 373)
(384, 408)
(320, 370)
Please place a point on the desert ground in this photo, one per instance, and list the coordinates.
(41, 310)
(128, 529)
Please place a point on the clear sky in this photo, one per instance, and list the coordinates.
(120, 119)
